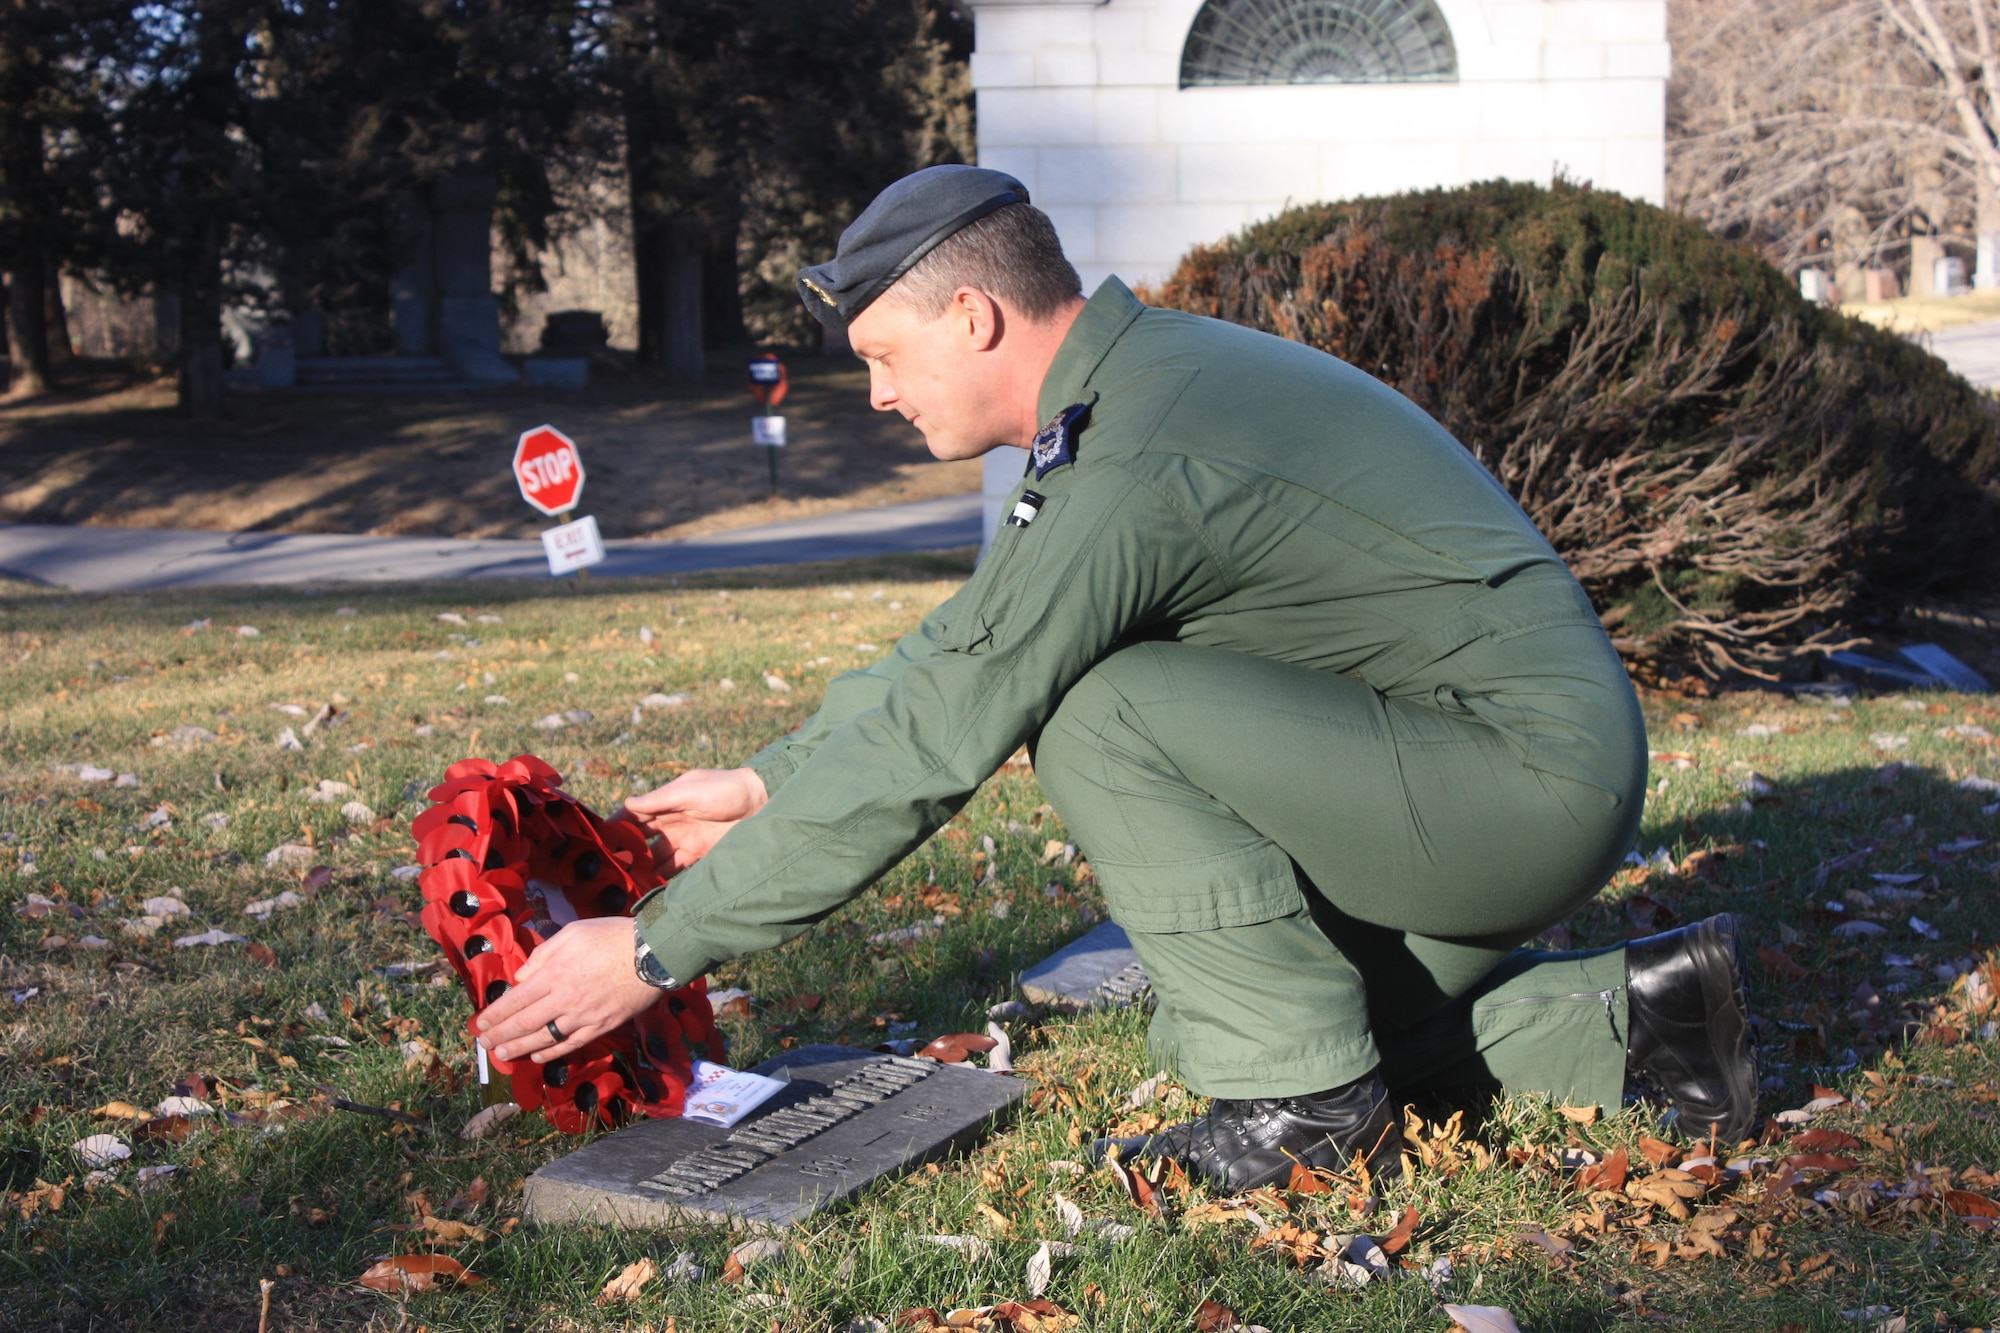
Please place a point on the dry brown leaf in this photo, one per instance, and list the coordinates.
(1608, 1174)
(1399, 1236)
(445, 1229)
(118, 1111)
(1578, 1115)
(957, 1047)
(1000, 1222)
(1819, 1161)
(1966, 1204)
(1213, 1317)
(1306, 1181)
(472, 1196)
(628, 1282)
(1657, 1152)
(1780, 964)
(417, 1272)
(261, 954)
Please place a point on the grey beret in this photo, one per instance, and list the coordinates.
(904, 224)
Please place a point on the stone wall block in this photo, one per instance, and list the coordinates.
(1121, 175)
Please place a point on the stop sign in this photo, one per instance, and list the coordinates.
(549, 469)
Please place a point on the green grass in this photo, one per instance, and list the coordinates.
(312, 1198)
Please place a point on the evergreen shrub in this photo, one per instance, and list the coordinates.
(1737, 476)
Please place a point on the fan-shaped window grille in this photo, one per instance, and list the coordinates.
(1318, 41)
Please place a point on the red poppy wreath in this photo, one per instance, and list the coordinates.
(509, 859)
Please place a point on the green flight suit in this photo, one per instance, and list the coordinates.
(1330, 719)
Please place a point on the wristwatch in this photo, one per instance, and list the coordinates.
(649, 969)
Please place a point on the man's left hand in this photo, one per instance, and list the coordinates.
(582, 980)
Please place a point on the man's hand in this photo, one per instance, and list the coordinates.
(692, 812)
(582, 980)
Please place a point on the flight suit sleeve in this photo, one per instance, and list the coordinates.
(1106, 556)
(847, 695)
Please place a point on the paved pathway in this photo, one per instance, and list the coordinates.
(1973, 350)
(94, 559)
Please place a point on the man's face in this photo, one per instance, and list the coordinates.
(939, 373)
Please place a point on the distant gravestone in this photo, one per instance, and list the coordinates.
(1099, 971)
(849, 1119)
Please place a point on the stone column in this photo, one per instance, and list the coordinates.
(416, 287)
(468, 314)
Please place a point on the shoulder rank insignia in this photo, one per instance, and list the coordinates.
(1055, 443)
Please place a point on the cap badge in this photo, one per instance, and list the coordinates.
(817, 290)
(1055, 443)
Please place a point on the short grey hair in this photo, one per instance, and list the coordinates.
(1012, 254)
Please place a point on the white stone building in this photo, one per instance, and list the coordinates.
(1144, 127)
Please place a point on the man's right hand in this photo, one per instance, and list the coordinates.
(690, 814)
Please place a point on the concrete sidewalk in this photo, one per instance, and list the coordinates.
(92, 559)
(1973, 350)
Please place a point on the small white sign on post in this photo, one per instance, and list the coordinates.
(768, 431)
(573, 546)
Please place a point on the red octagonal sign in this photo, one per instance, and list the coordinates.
(549, 469)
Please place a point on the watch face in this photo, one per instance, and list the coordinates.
(650, 970)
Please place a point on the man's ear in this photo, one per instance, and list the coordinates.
(978, 318)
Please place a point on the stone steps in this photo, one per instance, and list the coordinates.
(379, 372)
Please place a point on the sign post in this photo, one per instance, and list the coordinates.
(768, 383)
(549, 471)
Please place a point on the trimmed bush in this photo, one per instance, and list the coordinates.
(1737, 476)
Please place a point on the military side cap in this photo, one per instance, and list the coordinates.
(905, 223)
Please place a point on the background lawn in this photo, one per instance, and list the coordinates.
(1771, 807)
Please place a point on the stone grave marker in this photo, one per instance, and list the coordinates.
(1098, 971)
(849, 1118)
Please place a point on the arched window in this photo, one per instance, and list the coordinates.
(1318, 41)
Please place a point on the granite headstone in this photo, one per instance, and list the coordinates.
(1098, 971)
(848, 1119)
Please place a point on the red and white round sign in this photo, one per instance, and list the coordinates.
(549, 470)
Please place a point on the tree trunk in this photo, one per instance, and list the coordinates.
(201, 328)
(721, 287)
(681, 355)
(27, 330)
(1986, 215)
(55, 323)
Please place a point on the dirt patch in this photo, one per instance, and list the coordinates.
(662, 461)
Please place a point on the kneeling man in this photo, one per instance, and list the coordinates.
(1336, 728)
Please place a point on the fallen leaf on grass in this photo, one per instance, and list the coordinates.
(1399, 1236)
(208, 938)
(1305, 1181)
(1482, 1319)
(263, 954)
(1821, 1140)
(1780, 964)
(1041, 1268)
(1214, 1316)
(957, 1047)
(1070, 1215)
(1819, 1161)
(417, 1272)
(445, 1229)
(628, 1282)
(1965, 1204)
(488, 1120)
(172, 1128)
(1579, 1115)
(1608, 1174)
(748, 1255)
(118, 1111)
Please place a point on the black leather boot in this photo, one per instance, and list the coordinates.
(1689, 1027)
(1242, 1145)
